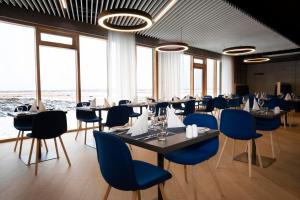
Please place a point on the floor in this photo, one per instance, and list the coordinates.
(83, 179)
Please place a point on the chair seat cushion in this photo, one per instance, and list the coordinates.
(90, 120)
(29, 135)
(134, 114)
(148, 175)
(24, 127)
(267, 124)
(194, 154)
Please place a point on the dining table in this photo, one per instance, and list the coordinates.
(43, 156)
(175, 139)
(266, 161)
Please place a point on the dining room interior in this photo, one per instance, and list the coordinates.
(149, 99)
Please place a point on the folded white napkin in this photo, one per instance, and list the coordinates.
(288, 97)
(255, 105)
(135, 100)
(93, 103)
(42, 107)
(106, 103)
(197, 97)
(172, 120)
(140, 126)
(247, 106)
(33, 107)
(276, 110)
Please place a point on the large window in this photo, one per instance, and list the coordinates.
(198, 81)
(185, 76)
(144, 72)
(17, 66)
(93, 68)
(218, 77)
(210, 66)
(58, 80)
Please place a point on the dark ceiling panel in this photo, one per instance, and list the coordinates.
(281, 16)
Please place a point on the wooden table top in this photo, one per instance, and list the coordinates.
(175, 140)
(24, 113)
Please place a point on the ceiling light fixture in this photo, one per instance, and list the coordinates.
(166, 9)
(237, 51)
(105, 16)
(172, 47)
(64, 4)
(256, 60)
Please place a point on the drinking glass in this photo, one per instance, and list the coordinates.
(19, 108)
(245, 99)
(260, 103)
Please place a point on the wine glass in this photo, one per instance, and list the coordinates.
(260, 102)
(245, 98)
(84, 104)
(19, 108)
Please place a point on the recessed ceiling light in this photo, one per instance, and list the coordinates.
(105, 17)
(172, 47)
(237, 51)
(256, 60)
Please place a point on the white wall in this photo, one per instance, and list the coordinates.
(227, 75)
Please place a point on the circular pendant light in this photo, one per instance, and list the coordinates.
(106, 17)
(256, 60)
(237, 51)
(172, 47)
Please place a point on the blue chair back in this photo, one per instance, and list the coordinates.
(84, 114)
(201, 120)
(124, 102)
(210, 105)
(189, 107)
(221, 103)
(23, 122)
(163, 106)
(234, 102)
(237, 124)
(273, 102)
(117, 116)
(115, 161)
(49, 124)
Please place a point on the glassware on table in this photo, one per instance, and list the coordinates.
(161, 135)
(245, 99)
(260, 102)
(84, 104)
(20, 109)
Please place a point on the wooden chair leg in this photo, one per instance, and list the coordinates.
(37, 156)
(30, 153)
(85, 132)
(21, 143)
(107, 192)
(221, 153)
(233, 148)
(17, 140)
(134, 195)
(249, 158)
(194, 183)
(139, 195)
(46, 146)
(63, 146)
(272, 144)
(213, 175)
(162, 190)
(169, 165)
(185, 174)
(246, 147)
(79, 127)
(259, 156)
(56, 148)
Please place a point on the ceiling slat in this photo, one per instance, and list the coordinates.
(72, 9)
(12, 2)
(86, 11)
(24, 3)
(96, 12)
(52, 8)
(81, 6)
(91, 18)
(62, 8)
(57, 8)
(36, 5)
(77, 10)
(46, 6)
(19, 3)
(41, 5)
(30, 5)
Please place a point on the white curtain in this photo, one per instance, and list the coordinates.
(121, 52)
(227, 75)
(169, 76)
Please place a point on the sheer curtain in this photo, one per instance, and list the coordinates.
(121, 62)
(227, 75)
(169, 76)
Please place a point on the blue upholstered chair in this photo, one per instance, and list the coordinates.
(132, 114)
(205, 100)
(177, 106)
(210, 106)
(117, 116)
(220, 104)
(189, 108)
(161, 106)
(48, 125)
(86, 116)
(239, 125)
(22, 123)
(269, 125)
(200, 152)
(234, 102)
(121, 172)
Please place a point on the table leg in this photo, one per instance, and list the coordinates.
(160, 163)
(100, 120)
(141, 109)
(253, 152)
